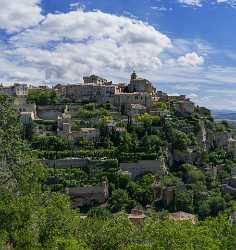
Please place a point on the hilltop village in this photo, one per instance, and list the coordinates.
(128, 147)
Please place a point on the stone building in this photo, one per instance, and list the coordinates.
(90, 92)
(225, 140)
(27, 118)
(88, 195)
(89, 134)
(33, 89)
(135, 109)
(162, 96)
(96, 79)
(166, 194)
(232, 145)
(181, 216)
(21, 105)
(138, 84)
(142, 167)
(124, 100)
(137, 216)
(14, 90)
(160, 112)
(64, 124)
(183, 107)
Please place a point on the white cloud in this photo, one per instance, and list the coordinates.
(200, 3)
(192, 59)
(81, 26)
(16, 15)
(189, 59)
(80, 42)
(197, 3)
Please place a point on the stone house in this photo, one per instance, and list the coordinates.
(142, 167)
(136, 216)
(96, 79)
(21, 105)
(160, 112)
(135, 109)
(232, 218)
(89, 134)
(64, 125)
(15, 90)
(184, 107)
(230, 186)
(27, 118)
(181, 216)
(33, 89)
(90, 92)
(162, 96)
(124, 100)
(191, 155)
(232, 145)
(88, 195)
(138, 84)
(164, 194)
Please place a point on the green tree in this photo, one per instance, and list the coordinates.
(43, 97)
(151, 143)
(51, 143)
(184, 200)
(99, 212)
(180, 140)
(120, 200)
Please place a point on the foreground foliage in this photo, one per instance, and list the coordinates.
(32, 219)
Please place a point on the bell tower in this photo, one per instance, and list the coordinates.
(133, 76)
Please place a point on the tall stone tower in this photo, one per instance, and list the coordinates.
(133, 76)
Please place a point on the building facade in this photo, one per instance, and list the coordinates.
(96, 80)
(15, 90)
(138, 84)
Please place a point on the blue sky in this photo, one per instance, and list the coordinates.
(182, 46)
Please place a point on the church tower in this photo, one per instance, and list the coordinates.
(133, 76)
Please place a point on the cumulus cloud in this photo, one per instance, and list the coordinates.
(192, 59)
(70, 45)
(81, 26)
(19, 14)
(80, 42)
(189, 59)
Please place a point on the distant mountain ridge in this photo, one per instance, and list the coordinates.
(224, 114)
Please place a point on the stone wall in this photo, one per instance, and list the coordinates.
(67, 163)
(78, 163)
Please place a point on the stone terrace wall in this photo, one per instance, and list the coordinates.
(67, 163)
(79, 163)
